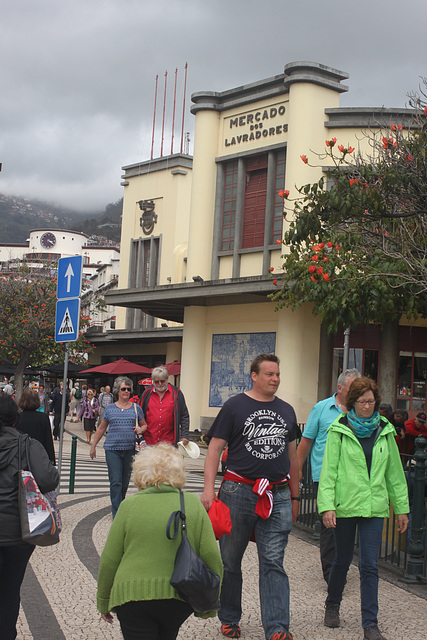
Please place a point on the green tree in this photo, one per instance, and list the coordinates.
(358, 238)
(27, 321)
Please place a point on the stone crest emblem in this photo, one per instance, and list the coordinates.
(148, 218)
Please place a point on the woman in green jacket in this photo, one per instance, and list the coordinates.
(138, 559)
(361, 474)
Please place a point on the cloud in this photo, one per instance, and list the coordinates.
(78, 78)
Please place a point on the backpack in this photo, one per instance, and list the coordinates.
(78, 394)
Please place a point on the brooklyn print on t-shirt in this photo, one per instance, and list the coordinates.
(258, 434)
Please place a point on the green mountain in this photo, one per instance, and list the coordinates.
(19, 215)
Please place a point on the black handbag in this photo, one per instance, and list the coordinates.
(194, 581)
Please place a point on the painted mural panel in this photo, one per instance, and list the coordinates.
(232, 354)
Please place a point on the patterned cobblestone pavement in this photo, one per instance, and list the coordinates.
(59, 590)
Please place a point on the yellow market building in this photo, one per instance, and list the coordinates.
(200, 235)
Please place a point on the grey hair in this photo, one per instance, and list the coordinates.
(346, 375)
(159, 372)
(118, 383)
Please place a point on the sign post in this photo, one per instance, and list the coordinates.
(67, 322)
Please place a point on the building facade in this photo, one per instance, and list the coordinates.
(100, 267)
(200, 237)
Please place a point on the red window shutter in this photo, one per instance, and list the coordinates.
(254, 208)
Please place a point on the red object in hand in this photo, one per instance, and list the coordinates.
(219, 515)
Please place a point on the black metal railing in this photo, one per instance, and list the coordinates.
(405, 552)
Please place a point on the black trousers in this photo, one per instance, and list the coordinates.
(327, 544)
(13, 562)
(56, 424)
(152, 619)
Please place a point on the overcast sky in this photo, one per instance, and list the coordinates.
(77, 78)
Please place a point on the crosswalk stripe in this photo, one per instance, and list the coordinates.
(91, 476)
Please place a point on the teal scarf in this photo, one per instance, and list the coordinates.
(363, 427)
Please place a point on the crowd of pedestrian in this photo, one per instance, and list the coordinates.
(354, 443)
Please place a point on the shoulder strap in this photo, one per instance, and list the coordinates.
(23, 443)
(19, 455)
(174, 520)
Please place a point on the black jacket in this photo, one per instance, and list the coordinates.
(37, 425)
(56, 401)
(46, 475)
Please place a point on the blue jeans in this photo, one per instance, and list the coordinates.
(119, 464)
(370, 532)
(271, 539)
(13, 562)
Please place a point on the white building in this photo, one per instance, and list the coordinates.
(100, 266)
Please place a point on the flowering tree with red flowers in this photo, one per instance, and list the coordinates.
(358, 238)
(27, 322)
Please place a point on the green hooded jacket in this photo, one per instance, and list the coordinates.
(345, 485)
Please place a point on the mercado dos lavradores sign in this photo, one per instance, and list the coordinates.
(267, 123)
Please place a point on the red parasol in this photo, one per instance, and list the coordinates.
(118, 367)
(173, 368)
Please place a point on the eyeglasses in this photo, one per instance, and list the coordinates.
(125, 389)
(159, 381)
(365, 402)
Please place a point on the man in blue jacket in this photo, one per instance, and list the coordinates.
(313, 442)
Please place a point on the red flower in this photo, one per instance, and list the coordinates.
(314, 279)
(281, 193)
(344, 150)
(271, 268)
(353, 181)
(320, 270)
(321, 245)
(393, 127)
(409, 157)
(304, 158)
(286, 193)
(274, 282)
(315, 258)
(425, 110)
(311, 268)
(278, 242)
(317, 247)
(337, 247)
(329, 244)
(325, 259)
(326, 277)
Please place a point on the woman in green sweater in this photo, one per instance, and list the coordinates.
(138, 558)
(361, 474)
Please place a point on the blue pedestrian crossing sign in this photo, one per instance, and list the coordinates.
(67, 320)
(69, 277)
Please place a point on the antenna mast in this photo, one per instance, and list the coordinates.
(154, 116)
(183, 104)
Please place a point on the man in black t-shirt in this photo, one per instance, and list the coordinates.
(261, 490)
